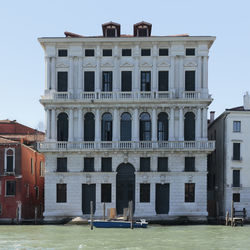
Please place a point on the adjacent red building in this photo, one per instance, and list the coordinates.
(21, 172)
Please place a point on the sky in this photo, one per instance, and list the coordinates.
(22, 74)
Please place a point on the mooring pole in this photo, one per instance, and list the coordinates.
(131, 215)
(104, 207)
(232, 212)
(35, 215)
(91, 215)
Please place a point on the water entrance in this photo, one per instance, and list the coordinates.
(88, 195)
(162, 199)
(125, 186)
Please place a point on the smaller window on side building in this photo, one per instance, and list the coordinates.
(190, 52)
(145, 52)
(236, 197)
(61, 164)
(89, 52)
(236, 178)
(189, 164)
(236, 151)
(145, 164)
(10, 188)
(107, 164)
(144, 192)
(106, 192)
(37, 192)
(62, 53)
(189, 192)
(10, 160)
(162, 164)
(126, 52)
(89, 164)
(107, 52)
(163, 52)
(61, 193)
(236, 126)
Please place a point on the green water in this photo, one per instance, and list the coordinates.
(154, 237)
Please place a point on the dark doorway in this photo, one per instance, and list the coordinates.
(125, 186)
(89, 127)
(162, 198)
(88, 195)
(62, 127)
(189, 127)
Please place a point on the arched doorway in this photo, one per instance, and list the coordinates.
(125, 186)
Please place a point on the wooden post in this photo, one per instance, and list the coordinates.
(104, 208)
(91, 215)
(131, 215)
(227, 218)
(232, 213)
(35, 215)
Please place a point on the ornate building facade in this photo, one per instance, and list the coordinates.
(126, 120)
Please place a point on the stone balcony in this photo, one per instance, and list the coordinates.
(125, 96)
(58, 146)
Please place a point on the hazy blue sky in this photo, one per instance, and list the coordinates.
(22, 58)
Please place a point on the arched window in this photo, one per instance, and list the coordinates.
(145, 127)
(89, 127)
(189, 127)
(106, 127)
(125, 127)
(62, 127)
(10, 160)
(162, 127)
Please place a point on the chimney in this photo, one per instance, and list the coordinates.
(246, 101)
(211, 116)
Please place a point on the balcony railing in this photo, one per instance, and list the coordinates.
(127, 145)
(191, 95)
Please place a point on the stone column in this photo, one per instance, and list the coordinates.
(71, 125)
(154, 83)
(115, 125)
(135, 127)
(80, 125)
(48, 69)
(71, 75)
(181, 124)
(136, 73)
(154, 125)
(97, 126)
(172, 75)
(116, 70)
(171, 125)
(181, 76)
(199, 74)
(198, 125)
(80, 73)
(53, 73)
(204, 124)
(53, 124)
(47, 124)
(205, 75)
(98, 70)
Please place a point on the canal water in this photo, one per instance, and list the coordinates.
(154, 237)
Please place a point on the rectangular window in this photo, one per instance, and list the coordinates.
(144, 192)
(89, 52)
(145, 164)
(163, 52)
(145, 81)
(107, 164)
(236, 151)
(107, 81)
(89, 165)
(163, 80)
(190, 80)
(189, 164)
(143, 32)
(61, 193)
(126, 81)
(236, 126)
(145, 52)
(31, 166)
(162, 164)
(107, 52)
(62, 81)
(189, 192)
(37, 192)
(236, 178)
(10, 167)
(111, 32)
(236, 197)
(190, 52)
(126, 52)
(10, 188)
(61, 164)
(89, 81)
(62, 52)
(106, 193)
